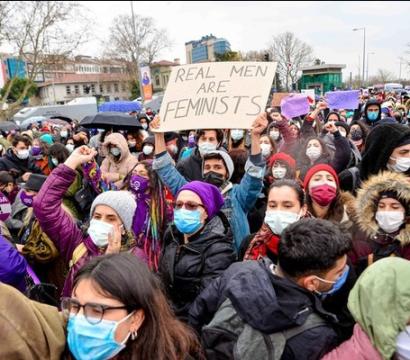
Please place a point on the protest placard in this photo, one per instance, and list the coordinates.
(222, 95)
(277, 98)
(294, 105)
(343, 99)
(311, 94)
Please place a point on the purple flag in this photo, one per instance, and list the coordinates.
(343, 99)
(294, 105)
(5, 207)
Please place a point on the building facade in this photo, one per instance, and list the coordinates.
(160, 73)
(322, 78)
(204, 49)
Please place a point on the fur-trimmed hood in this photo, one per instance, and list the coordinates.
(368, 196)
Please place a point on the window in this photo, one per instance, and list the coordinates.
(101, 89)
(108, 88)
(68, 90)
(76, 89)
(92, 88)
(86, 89)
(116, 89)
(157, 83)
(123, 87)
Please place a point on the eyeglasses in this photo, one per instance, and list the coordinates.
(94, 313)
(189, 205)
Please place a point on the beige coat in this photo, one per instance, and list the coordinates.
(29, 330)
(110, 168)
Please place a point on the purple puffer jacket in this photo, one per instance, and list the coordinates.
(12, 265)
(61, 227)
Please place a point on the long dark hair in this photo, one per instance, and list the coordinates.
(127, 279)
(324, 157)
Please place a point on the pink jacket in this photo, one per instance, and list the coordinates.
(358, 347)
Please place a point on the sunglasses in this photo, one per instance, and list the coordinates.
(189, 205)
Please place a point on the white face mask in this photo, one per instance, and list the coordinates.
(115, 151)
(54, 161)
(274, 135)
(266, 149)
(403, 344)
(173, 149)
(70, 148)
(313, 153)
(390, 221)
(132, 143)
(99, 231)
(147, 149)
(279, 172)
(144, 126)
(23, 154)
(402, 164)
(280, 220)
(206, 147)
(236, 134)
(64, 134)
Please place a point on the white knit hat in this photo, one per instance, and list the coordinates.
(122, 202)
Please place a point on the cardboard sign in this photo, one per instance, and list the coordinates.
(277, 98)
(343, 99)
(294, 105)
(221, 95)
(311, 95)
(5, 207)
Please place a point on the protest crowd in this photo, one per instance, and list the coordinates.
(288, 240)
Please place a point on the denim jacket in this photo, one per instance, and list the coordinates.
(239, 198)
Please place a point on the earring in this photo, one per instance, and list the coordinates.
(134, 335)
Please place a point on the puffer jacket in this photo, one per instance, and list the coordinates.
(191, 167)
(69, 239)
(371, 243)
(186, 269)
(111, 168)
(12, 265)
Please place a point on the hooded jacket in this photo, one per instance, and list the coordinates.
(191, 167)
(12, 265)
(365, 118)
(29, 330)
(376, 242)
(111, 168)
(186, 269)
(266, 302)
(380, 143)
(17, 167)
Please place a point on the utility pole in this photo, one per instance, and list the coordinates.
(367, 67)
(138, 78)
(364, 49)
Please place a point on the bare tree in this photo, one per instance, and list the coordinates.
(291, 54)
(135, 41)
(385, 75)
(38, 31)
(5, 10)
(254, 55)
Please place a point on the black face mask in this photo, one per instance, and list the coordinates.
(214, 178)
(356, 134)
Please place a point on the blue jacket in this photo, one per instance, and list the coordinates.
(239, 199)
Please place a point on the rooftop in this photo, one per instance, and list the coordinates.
(164, 63)
(86, 78)
(324, 67)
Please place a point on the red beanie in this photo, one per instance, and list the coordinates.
(319, 167)
(283, 157)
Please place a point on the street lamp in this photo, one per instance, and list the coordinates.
(364, 46)
(367, 67)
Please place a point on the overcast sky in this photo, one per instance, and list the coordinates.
(326, 26)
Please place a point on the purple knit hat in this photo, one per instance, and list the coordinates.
(210, 195)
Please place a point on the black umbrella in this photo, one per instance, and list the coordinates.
(111, 120)
(8, 126)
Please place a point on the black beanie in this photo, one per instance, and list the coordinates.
(35, 181)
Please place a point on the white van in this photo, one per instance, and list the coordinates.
(76, 109)
(396, 87)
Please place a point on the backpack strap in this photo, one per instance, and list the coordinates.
(78, 253)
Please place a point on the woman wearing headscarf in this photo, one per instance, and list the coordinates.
(379, 302)
(198, 247)
(382, 209)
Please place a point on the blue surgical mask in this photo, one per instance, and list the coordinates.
(206, 147)
(93, 341)
(115, 151)
(372, 115)
(236, 134)
(187, 221)
(337, 285)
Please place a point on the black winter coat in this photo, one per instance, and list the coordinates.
(267, 303)
(186, 269)
(17, 167)
(191, 167)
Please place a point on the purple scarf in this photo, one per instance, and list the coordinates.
(138, 185)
